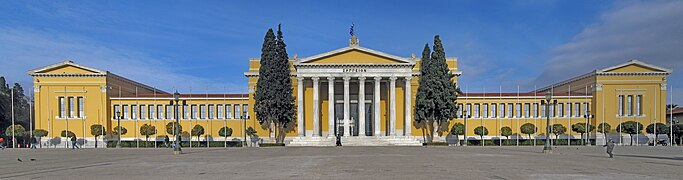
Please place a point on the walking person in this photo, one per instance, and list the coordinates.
(2, 143)
(33, 142)
(166, 140)
(610, 147)
(73, 143)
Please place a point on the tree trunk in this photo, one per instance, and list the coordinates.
(430, 131)
(95, 143)
(631, 137)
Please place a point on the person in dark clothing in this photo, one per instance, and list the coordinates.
(73, 143)
(34, 141)
(610, 147)
(166, 140)
(2, 143)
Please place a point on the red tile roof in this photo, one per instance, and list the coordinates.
(508, 94)
(189, 96)
(677, 110)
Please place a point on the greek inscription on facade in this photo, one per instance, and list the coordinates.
(354, 70)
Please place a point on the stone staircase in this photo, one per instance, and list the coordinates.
(357, 141)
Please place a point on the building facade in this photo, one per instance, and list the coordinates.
(359, 93)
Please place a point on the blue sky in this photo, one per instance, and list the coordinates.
(206, 45)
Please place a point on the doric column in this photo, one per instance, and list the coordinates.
(392, 107)
(330, 106)
(300, 107)
(316, 107)
(347, 106)
(361, 106)
(408, 109)
(375, 105)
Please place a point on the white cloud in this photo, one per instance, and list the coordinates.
(650, 31)
(25, 49)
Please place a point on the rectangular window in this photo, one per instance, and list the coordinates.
(228, 111)
(152, 112)
(72, 112)
(552, 110)
(186, 111)
(518, 110)
(143, 112)
(194, 112)
(202, 111)
(134, 111)
(160, 112)
(245, 110)
(577, 109)
(568, 108)
(211, 111)
(459, 110)
(501, 110)
(169, 112)
(237, 112)
(117, 108)
(526, 110)
(639, 101)
(81, 109)
(560, 109)
(629, 105)
(219, 108)
(485, 111)
(468, 110)
(510, 110)
(493, 110)
(585, 108)
(125, 112)
(620, 104)
(62, 108)
(535, 110)
(476, 110)
(543, 111)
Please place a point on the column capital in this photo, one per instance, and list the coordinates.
(408, 78)
(392, 78)
(330, 78)
(315, 79)
(377, 78)
(346, 78)
(300, 78)
(362, 78)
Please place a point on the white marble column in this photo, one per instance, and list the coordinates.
(347, 106)
(392, 104)
(375, 105)
(300, 107)
(408, 109)
(316, 107)
(361, 106)
(330, 106)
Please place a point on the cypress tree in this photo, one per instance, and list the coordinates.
(437, 93)
(284, 99)
(263, 96)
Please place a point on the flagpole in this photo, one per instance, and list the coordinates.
(14, 141)
(518, 115)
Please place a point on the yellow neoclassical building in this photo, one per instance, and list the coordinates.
(364, 95)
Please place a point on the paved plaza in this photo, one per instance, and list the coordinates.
(345, 163)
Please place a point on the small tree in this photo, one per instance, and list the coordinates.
(581, 128)
(148, 130)
(660, 129)
(66, 135)
(630, 128)
(40, 133)
(251, 131)
(197, 130)
(678, 131)
(116, 130)
(170, 129)
(458, 129)
(558, 129)
(604, 128)
(507, 132)
(481, 131)
(97, 131)
(528, 129)
(225, 132)
(17, 129)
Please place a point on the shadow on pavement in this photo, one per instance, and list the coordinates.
(652, 157)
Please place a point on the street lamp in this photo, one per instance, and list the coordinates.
(547, 149)
(465, 116)
(588, 117)
(118, 118)
(244, 119)
(176, 98)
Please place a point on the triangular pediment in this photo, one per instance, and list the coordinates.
(354, 55)
(635, 66)
(68, 68)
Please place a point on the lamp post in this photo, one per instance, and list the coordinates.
(588, 117)
(465, 116)
(547, 149)
(176, 98)
(244, 119)
(118, 118)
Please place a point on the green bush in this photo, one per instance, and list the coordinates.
(160, 144)
(271, 144)
(435, 144)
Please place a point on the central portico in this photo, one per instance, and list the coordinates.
(357, 89)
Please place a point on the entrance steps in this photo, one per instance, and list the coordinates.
(357, 141)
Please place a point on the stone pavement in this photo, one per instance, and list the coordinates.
(345, 163)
